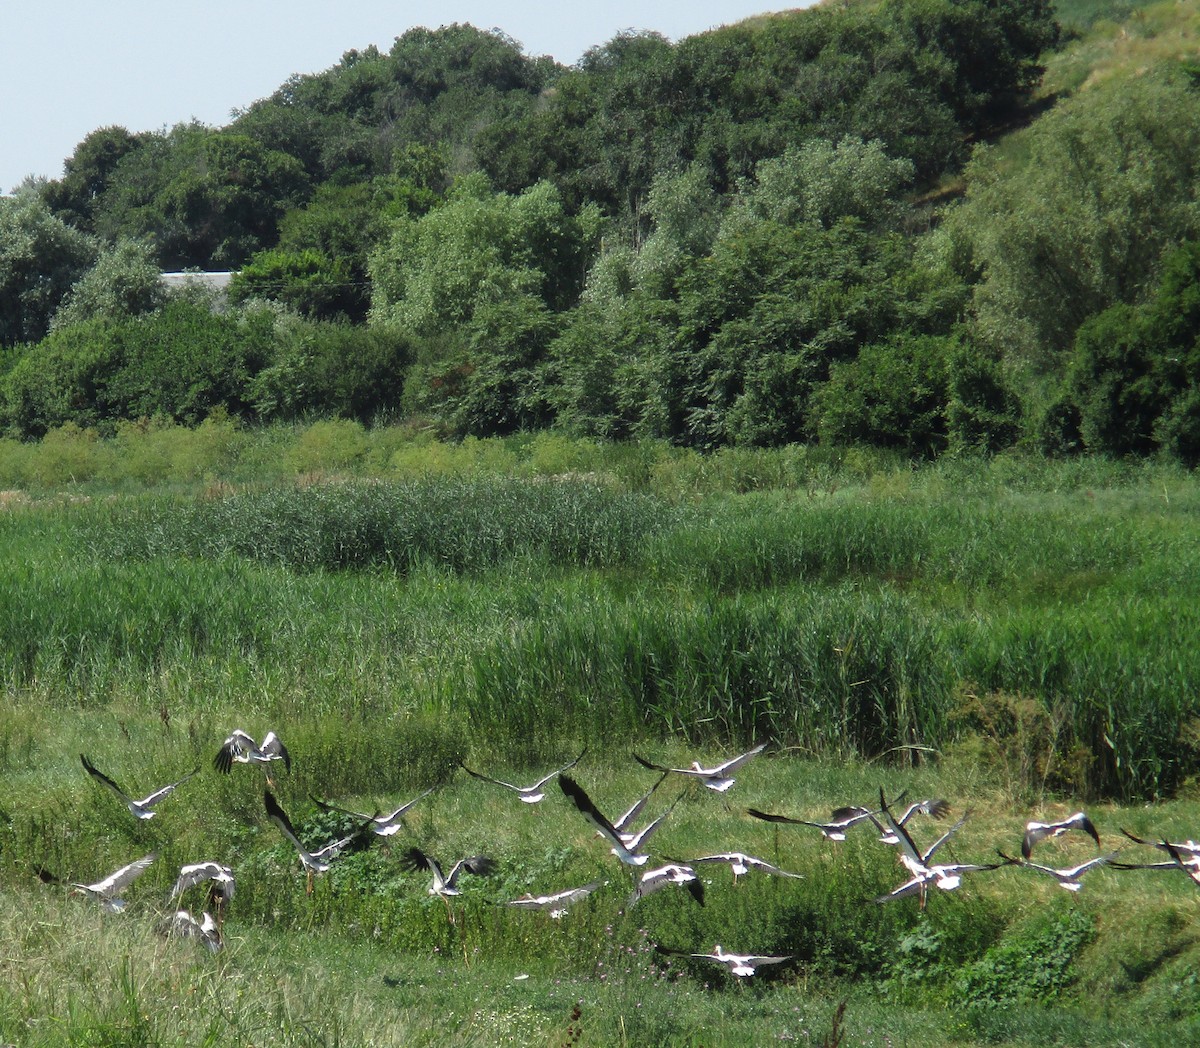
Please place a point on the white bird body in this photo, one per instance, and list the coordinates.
(743, 965)
(1069, 877)
(316, 861)
(633, 842)
(923, 873)
(741, 863)
(834, 830)
(143, 808)
(717, 777)
(217, 874)
(529, 794)
(240, 748)
(578, 796)
(672, 873)
(447, 884)
(106, 891)
(380, 824)
(181, 923)
(1038, 831)
(558, 903)
(1189, 848)
(946, 877)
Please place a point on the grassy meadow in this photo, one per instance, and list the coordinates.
(1015, 635)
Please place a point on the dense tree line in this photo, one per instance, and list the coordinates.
(729, 240)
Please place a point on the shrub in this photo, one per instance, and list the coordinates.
(894, 394)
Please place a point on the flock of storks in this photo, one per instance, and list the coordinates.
(626, 843)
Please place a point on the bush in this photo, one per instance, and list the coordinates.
(895, 394)
(332, 369)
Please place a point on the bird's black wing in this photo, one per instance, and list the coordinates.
(99, 776)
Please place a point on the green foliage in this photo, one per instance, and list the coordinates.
(1133, 372)
(123, 283)
(87, 173)
(1034, 962)
(480, 248)
(892, 394)
(331, 369)
(205, 198)
(822, 182)
(41, 257)
(1107, 186)
(309, 282)
(183, 362)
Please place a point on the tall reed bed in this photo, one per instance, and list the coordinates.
(831, 673)
(536, 610)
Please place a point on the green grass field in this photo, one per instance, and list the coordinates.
(1015, 635)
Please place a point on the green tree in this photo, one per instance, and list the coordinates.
(1109, 182)
(308, 282)
(205, 198)
(480, 248)
(41, 257)
(892, 394)
(321, 369)
(1134, 375)
(124, 282)
(87, 174)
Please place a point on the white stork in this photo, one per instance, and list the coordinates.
(1068, 878)
(672, 873)
(741, 863)
(1038, 831)
(106, 891)
(182, 924)
(217, 876)
(558, 903)
(446, 884)
(743, 965)
(628, 854)
(379, 824)
(142, 809)
(240, 748)
(314, 862)
(917, 862)
(529, 794)
(717, 777)
(1188, 848)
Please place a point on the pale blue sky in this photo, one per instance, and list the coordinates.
(68, 67)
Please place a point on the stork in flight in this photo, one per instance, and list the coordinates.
(379, 824)
(446, 885)
(181, 923)
(529, 794)
(1069, 877)
(106, 891)
(217, 876)
(1038, 831)
(142, 809)
(743, 965)
(1189, 848)
(558, 903)
(741, 863)
(672, 873)
(717, 777)
(240, 748)
(918, 862)
(852, 814)
(1182, 857)
(314, 862)
(627, 853)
